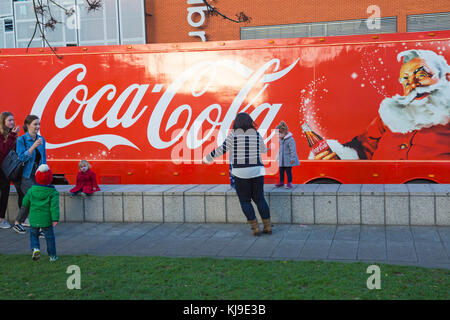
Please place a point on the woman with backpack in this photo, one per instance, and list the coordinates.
(30, 148)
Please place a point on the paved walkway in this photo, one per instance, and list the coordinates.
(420, 246)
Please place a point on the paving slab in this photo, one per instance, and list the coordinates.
(447, 247)
(368, 250)
(236, 248)
(401, 251)
(279, 230)
(431, 252)
(321, 232)
(316, 249)
(425, 233)
(343, 249)
(348, 232)
(298, 232)
(444, 233)
(399, 233)
(163, 229)
(373, 233)
(210, 248)
(288, 249)
(262, 247)
(185, 247)
(202, 232)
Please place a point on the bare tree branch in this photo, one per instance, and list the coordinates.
(42, 8)
(211, 10)
(38, 24)
(94, 4)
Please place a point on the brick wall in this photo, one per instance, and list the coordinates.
(168, 20)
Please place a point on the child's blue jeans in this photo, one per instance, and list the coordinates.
(49, 238)
(288, 171)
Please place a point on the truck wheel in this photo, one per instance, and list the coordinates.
(421, 181)
(323, 181)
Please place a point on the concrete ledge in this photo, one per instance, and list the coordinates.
(368, 204)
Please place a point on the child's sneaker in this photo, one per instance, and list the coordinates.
(19, 229)
(289, 186)
(83, 195)
(36, 254)
(53, 258)
(279, 184)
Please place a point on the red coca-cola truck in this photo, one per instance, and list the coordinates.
(147, 114)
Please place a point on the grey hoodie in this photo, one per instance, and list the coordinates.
(288, 152)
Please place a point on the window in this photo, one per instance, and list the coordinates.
(428, 22)
(318, 29)
(6, 8)
(65, 33)
(7, 33)
(132, 21)
(99, 27)
(25, 23)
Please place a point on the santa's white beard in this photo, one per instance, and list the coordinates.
(403, 114)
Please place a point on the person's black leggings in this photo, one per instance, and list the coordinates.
(4, 190)
(288, 171)
(22, 189)
(252, 189)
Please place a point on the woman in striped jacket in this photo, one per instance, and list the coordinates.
(246, 145)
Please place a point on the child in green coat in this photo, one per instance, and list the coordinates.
(43, 201)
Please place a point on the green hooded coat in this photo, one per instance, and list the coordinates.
(43, 202)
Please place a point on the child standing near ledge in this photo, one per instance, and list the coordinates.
(42, 199)
(86, 181)
(287, 155)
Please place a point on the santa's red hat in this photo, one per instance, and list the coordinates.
(44, 175)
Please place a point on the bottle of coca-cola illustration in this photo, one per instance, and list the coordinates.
(318, 145)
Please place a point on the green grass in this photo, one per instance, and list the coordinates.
(208, 278)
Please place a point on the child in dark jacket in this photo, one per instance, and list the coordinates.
(43, 201)
(86, 180)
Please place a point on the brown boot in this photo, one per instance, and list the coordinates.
(255, 227)
(267, 226)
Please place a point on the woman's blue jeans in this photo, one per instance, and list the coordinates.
(49, 238)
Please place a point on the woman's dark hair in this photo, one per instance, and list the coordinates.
(3, 129)
(244, 121)
(28, 120)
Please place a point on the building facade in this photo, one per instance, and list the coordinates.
(186, 21)
(165, 21)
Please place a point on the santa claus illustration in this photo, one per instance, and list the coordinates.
(414, 126)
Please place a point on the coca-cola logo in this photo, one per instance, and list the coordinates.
(319, 147)
(86, 104)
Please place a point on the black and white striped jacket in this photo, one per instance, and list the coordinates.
(245, 148)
